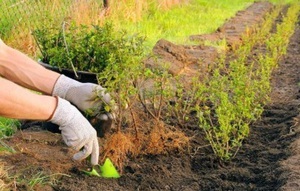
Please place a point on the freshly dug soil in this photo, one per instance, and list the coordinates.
(269, 159)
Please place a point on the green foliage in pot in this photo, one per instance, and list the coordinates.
(86, 48)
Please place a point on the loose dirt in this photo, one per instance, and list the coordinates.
(268, 160)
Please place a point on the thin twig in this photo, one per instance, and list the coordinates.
(66, 45)
(144, 105)
(134, 122)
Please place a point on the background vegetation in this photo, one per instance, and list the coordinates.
(229, 100)
(153, 19)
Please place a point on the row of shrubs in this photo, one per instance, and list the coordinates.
(226, 101)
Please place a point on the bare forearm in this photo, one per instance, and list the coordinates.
(20, 103)
(19, 68)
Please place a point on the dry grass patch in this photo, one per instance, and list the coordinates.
(4, 180)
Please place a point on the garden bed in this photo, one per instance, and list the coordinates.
(268, 159)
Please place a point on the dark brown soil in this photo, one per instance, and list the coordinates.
(268, 160)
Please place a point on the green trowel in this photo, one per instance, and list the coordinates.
(107, 170)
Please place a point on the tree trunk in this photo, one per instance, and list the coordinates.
(106, 4)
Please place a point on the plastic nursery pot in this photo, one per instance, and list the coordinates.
(82, 76)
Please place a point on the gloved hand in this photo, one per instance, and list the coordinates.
(76, 131)
(86, 96)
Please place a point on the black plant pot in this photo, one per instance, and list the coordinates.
(101, 126)
(83, 76)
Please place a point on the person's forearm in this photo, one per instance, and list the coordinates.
(19, 68)
(19, 103)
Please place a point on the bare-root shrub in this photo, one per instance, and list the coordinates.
(142, 136)
(162, 139)
(157, 91)
(118, 147)
(183, 103)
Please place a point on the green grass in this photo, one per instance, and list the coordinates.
(178, 23)
(8, 127)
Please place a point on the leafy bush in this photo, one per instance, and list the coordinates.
(87, 48)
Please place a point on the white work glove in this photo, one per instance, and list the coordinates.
(76, 131)
(86, 96)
